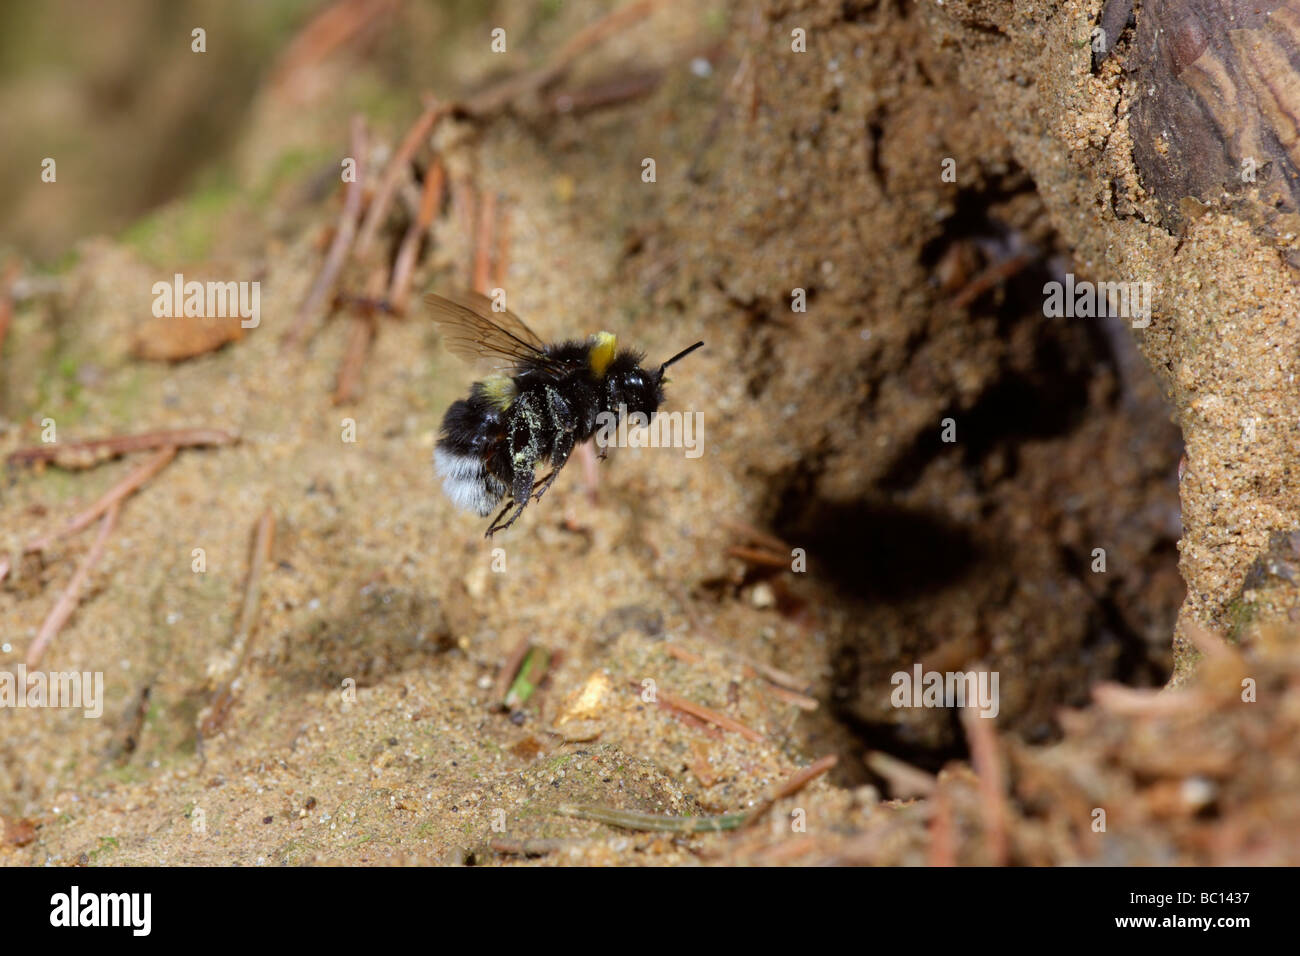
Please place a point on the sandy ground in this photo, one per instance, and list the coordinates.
(777, 171)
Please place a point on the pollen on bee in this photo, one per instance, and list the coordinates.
(603, 347)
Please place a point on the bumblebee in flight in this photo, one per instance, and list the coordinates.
(543, 400)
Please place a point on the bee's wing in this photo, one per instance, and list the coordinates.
(474, 331)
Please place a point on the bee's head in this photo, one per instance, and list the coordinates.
(637, 388)
(632, 386)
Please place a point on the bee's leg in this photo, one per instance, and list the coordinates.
(524, 446)
(564, 419)
(566, 424)
(521, 489)
(492, 528)
(550, 480)
(518, 502)
(563, 448)
(521, 493)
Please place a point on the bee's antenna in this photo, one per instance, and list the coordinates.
(679, 356)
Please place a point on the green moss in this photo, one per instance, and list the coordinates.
(183, 231)
(1240, 613)
(298, 851)
(64, 263)
(385, 109)
(124, 774)
(123, 401)
(60, 485)
(291, 166)
(107, 845)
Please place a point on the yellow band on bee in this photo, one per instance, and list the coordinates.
(603, 346)
(500, 390)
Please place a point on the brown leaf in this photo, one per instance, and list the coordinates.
(18, 832)
(172, 339)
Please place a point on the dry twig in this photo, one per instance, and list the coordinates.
(793, 698)
(610, 91)
(747, 532)
(397, 166)
(942, 850)
(361, 333)
(1143, 702)
(68, 601)
(482, 270)
(113, 496)
(7, 279)
(333, 27)
(708, 715)
(223, 698)
(987, 761)
(404, 266)
(995, 274)
(85, 454)
(361, 330)
(342, 244)
(762, 558)
(904, 780)
(499, 97)
(796, 782)
(632, 820)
